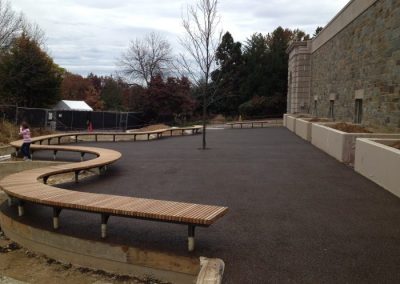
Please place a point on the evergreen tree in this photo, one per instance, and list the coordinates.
(28, 76)
(111, 94)
(226, 78)
(256, 69)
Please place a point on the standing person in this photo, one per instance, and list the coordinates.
(26, 145)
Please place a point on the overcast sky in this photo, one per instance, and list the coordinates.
(86, 36)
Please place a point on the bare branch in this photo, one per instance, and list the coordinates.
(10, 24)
(145, 58)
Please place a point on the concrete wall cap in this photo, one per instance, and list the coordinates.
(211, 271)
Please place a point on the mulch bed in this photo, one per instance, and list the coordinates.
(316, 119)
(396, 145)
(349, 128)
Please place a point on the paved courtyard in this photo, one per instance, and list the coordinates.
(296, 214)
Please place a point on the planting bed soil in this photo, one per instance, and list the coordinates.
(396, 145)
(349, 128)
(316, 119)
(302, 116)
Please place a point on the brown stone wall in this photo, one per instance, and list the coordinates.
(363, 57)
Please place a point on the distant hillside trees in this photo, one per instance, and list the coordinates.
(75, 87)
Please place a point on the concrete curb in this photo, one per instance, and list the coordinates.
(211, 272)
(110, 257)
(8, 280)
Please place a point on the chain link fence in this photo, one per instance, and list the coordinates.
(72, 120)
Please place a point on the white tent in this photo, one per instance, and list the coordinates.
(72, 105)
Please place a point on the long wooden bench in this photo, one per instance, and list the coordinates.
(26, 186)
(253, 123)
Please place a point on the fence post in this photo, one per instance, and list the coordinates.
(16, 114)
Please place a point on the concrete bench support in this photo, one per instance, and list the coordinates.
(191, 244)
(21, 210)
(56, 214)
(104, 220)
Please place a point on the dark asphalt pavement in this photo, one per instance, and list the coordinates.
(296, 214)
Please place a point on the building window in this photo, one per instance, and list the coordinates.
(315, 107)
(358, 111)
(331, 114)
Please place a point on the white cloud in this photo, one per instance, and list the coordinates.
(89, 35)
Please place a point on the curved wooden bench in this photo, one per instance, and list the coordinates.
(26, 187)
(159, 133)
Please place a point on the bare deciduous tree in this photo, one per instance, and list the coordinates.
(10, 24)
(146, 58)
(33, 31)
(201, 24)
(13, 25)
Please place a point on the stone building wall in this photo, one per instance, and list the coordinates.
(362, 61)
(299, 78)
(356, 56)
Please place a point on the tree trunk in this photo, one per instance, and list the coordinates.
(204, 120)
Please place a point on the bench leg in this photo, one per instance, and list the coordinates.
(45, 179)
(77, 176)
(21, 210)
(55, 155)
(82, 155)
(56, 214)
(9, 201)
(102, 170)
(191, 237)
(59, 140)
(104, 220)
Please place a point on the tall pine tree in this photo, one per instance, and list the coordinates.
(227, 77)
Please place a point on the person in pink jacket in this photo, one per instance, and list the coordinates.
(26, 145)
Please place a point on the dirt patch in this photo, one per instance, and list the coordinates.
(219, 118)
(24, 265)
(153, 127)
(349, 128)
